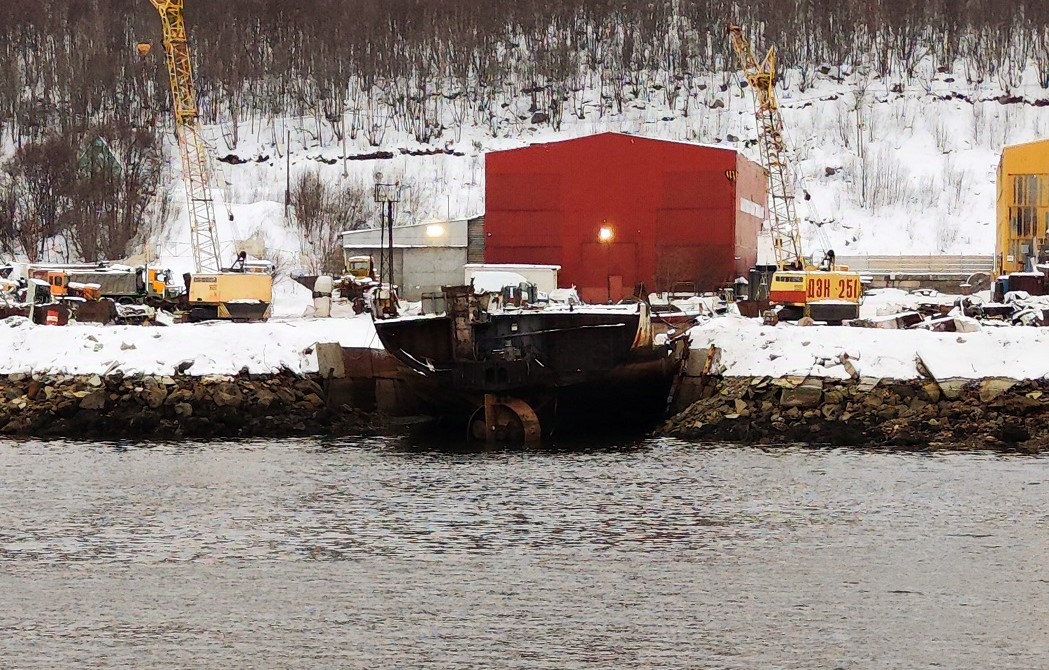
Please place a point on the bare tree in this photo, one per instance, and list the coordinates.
(66, 64)
(118, 174)
(39, 184)
(322, 213)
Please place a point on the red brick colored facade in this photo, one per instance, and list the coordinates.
(678, 212)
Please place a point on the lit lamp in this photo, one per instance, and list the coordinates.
(605, 235)
(435, 230)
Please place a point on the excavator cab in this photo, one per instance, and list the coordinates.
(58, 282)
(360, 267)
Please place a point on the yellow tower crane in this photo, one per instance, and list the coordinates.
(830, 292)
(240, 294)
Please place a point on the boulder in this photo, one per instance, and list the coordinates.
(96, 400)
(994, 387)
(227, 395)
(807, 394)
(154, 397)
(931, 391)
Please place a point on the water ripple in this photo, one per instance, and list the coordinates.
(385, 553)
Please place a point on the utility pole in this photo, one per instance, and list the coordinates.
(385, 301)
(345, 173)
(287, 175)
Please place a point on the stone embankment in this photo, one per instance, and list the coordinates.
(166, 407)
(983, 414)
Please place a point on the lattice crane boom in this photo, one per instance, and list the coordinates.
(196, 166)
(781, 213)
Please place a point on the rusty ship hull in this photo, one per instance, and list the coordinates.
(574, 369)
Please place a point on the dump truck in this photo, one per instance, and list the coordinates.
(126, 285)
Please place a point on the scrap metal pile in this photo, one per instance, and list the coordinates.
(926, 309)
(58, 294)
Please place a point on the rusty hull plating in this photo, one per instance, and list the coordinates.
(575, 366)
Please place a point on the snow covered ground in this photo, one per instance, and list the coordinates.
(751, 349)
(892, 166)
(887, 301)
(214, 348)
(747, 348)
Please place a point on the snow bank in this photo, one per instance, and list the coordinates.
(751, 349)
(213, 348)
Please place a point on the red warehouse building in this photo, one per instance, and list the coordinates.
(615, 211)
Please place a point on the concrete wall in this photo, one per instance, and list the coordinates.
(419, 270)
(427, 270)
(944, 282)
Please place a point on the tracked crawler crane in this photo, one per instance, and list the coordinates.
(828, 293)
(212, 293)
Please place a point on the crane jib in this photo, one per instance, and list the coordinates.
(195, 163)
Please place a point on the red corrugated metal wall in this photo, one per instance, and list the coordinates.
(674, 209)
(751, 184)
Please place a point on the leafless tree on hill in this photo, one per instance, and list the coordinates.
(67, 64)
(322, 212)
(39, 179)
(113, 190)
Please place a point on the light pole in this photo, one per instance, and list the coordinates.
(605, 235)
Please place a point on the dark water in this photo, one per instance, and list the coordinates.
(651, 554)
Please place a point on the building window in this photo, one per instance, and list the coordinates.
(1022, 220)
(1029, 206)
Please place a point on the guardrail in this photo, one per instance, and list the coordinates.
(919, 264)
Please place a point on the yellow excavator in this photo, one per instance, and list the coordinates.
(824, 291)
(213, 292)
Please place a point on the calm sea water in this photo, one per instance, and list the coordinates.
(647, 554)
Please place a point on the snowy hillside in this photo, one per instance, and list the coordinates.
(891, 167)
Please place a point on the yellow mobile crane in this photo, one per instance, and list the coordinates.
(213, 292)
(825, 293)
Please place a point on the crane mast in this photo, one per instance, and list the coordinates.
(195, 162)
(781, 213)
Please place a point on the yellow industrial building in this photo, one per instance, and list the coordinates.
(1023, 207)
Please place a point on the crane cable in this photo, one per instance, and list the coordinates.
(813, 217)
(226, 188)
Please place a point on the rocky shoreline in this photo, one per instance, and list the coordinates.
(171, 407)
(999, 414)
